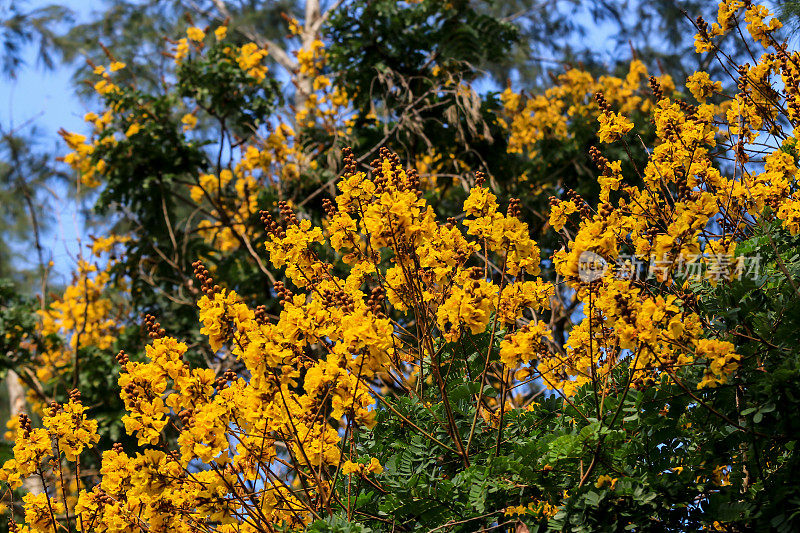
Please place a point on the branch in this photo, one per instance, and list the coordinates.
(312, 18)
(321, 20)
(277, 53)
(222, 8)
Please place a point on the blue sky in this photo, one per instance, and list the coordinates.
(47, 97)
(47, 100)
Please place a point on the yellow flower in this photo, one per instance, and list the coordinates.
(701, 86)
(250, 60)
(559, 212)
(133, 129)
(195, 34)
(480, 202)
(374, 467)
(604, 481)
(612, 127)
(39, 511)
(181, 50)
(759, 30)
(721, 360)
(350, 468)
(189, 121)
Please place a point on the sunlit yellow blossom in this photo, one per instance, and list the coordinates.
(195, 34)
(613, 127)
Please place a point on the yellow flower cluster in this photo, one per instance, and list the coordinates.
(550, 115)
(310, 374)
(81, 157)
(231, 209)
(105, 85)
(523, 346)
(320, 103)
(194, 37)
(612, 127)
(728, 10)
(311, 59)
(233, 194)
(195, 34)
(673, 220)
(41, 452)
(536, 508)
(250, 60)
(660, 330)
(504, 235)
(701, 86)
(83, 316)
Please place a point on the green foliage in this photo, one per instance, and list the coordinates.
(761, 316)
(790, 14)
(216, 84)
(18, 337)
(653, 443)
(135, 32)
(375, 45)
(21, 25)
(661, 457)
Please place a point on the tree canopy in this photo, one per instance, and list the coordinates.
(349, 279)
